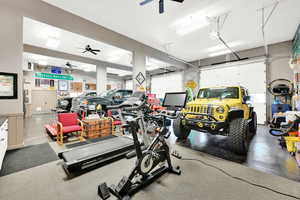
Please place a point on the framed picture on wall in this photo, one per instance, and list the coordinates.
(8, 85)
(63, 85)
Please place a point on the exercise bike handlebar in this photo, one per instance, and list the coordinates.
(167, 115)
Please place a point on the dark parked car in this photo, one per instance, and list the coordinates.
(65, 104)
(95, 103)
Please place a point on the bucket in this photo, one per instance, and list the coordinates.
(290, 143)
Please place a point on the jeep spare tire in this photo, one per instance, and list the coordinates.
(180, 131)
(239, 136)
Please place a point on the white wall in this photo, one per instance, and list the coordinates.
(79, 76)
(11, 51)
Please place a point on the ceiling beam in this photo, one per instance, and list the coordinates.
(46, 13)
(57, 54)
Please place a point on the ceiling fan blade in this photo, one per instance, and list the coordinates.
(93, 52)
(179, 1)
(84, 51)
(145, 2)
(161, 6)
(96, 50)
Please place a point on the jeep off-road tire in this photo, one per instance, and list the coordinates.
(239, 136)
(180, 131)
(253, 124)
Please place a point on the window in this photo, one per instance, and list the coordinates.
(127, 94)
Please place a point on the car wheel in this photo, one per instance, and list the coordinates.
(239, 136)
(180, 131)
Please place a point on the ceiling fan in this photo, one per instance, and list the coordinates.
(161, 4)
(89, 49)
(70, 66)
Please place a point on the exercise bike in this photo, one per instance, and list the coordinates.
(154, 161)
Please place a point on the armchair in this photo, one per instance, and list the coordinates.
(68, 123)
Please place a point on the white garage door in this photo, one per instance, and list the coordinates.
(251, 76)
(171, 82)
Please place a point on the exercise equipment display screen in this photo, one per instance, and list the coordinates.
(177, 100)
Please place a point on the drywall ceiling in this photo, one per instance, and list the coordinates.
(43, 35)
(185, 26)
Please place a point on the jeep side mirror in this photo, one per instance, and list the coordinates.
(246, 98)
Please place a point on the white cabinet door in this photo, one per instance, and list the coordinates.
(3, 142)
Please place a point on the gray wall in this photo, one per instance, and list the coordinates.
(11, 51)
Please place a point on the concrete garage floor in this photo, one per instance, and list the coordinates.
(34, 131)
(264, 154)
(198, 181)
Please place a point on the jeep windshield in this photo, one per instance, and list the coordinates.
(221, 93)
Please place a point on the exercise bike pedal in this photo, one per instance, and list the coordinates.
(103, 191)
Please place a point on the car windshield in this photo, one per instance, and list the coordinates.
(107, 93)
(222, 93)
(87, 94)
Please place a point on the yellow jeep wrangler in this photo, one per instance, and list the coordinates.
(223, 111)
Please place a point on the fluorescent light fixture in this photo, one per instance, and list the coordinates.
(113, 58)
(49, 31)
(200, 19)
(37, 57)
(53, 43)
(116, 55)
(184, 30)
(151, 67)
(118, 72)
(43, 62)
(88, 68)
(219, 53)
(223, 47)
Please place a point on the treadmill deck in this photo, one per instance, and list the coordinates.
(98, 148)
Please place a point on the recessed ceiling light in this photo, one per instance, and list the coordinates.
(43, 62)
(219, 53)
(52, 43)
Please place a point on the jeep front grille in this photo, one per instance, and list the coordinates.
(207, 109)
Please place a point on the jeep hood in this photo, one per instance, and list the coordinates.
(216, 102)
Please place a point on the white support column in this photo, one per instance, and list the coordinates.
(139, 66)
(101, 79)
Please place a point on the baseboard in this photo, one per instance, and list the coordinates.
(17, 146)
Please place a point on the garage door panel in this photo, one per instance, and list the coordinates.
(251, 76)
(172, 82)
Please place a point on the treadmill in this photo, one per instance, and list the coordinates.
(106, 149)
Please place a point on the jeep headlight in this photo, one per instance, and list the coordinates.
(220, 110)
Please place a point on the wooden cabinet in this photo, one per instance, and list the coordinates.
(3, 140)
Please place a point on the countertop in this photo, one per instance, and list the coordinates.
(2, 120)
